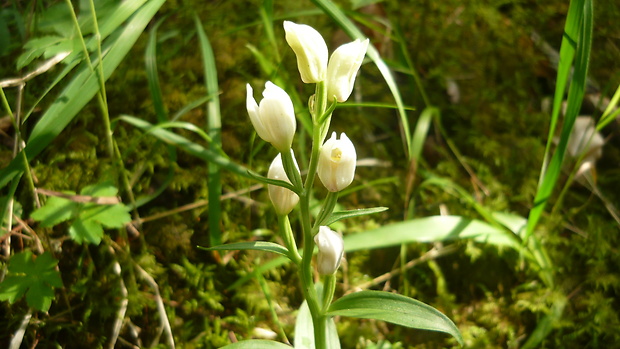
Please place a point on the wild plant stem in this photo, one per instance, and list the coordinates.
(308, 289)
(289, 239)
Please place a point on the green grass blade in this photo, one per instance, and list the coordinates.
(214, 182)
(266, 15)
(80, 90)
(421, 131)
(186, 145)
(582, 39)
(349, 27)
(611, 112)
(150, 62)
(545, 326)
(152, 77)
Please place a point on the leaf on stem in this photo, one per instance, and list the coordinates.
(257, 343)
(251, 245)
(304, 330)
(279, 183)
(340, 215)
(396, 309)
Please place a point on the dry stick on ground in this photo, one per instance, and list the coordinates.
(122, 310)
(99, 200)
(431, 254)
(35, 237)
(18, 337)
(165, 323)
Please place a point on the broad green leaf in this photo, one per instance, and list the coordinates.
(256, 344)
(56, 210)
(100, 189)
(110, 216)
(35, 48)
(396, 309)
(86, 230)
(430, 229)
(336, 216)
(35, 277)
(304, 330)
(250, 245)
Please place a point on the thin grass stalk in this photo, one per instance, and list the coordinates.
(214, 126)
(267, 293)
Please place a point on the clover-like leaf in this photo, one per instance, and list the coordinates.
(95, 208)
(34, 277)
(56, 210)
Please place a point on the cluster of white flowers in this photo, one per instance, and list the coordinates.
(274, 121)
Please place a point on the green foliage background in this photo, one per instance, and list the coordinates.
(493, 147)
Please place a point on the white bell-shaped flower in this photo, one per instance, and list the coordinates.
(342, 69)
(331, 249)
(274, 118)
(310, 49)
(283, 200)
(336, 167)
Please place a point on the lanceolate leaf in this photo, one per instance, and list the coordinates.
(396, 309)
(250, 245)
(336, 216)
(433, 228)
(577, 42)
(257, 343)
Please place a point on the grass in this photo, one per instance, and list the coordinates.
(485, 221)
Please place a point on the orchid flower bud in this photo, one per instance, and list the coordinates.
(310, 49)
(283, 200)
(274, 118)
(342, 69)
(336, 166)
(331, 249)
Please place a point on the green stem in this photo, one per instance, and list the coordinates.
(289, 239)
(305, 271)
(308, 289)
(329, 287)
